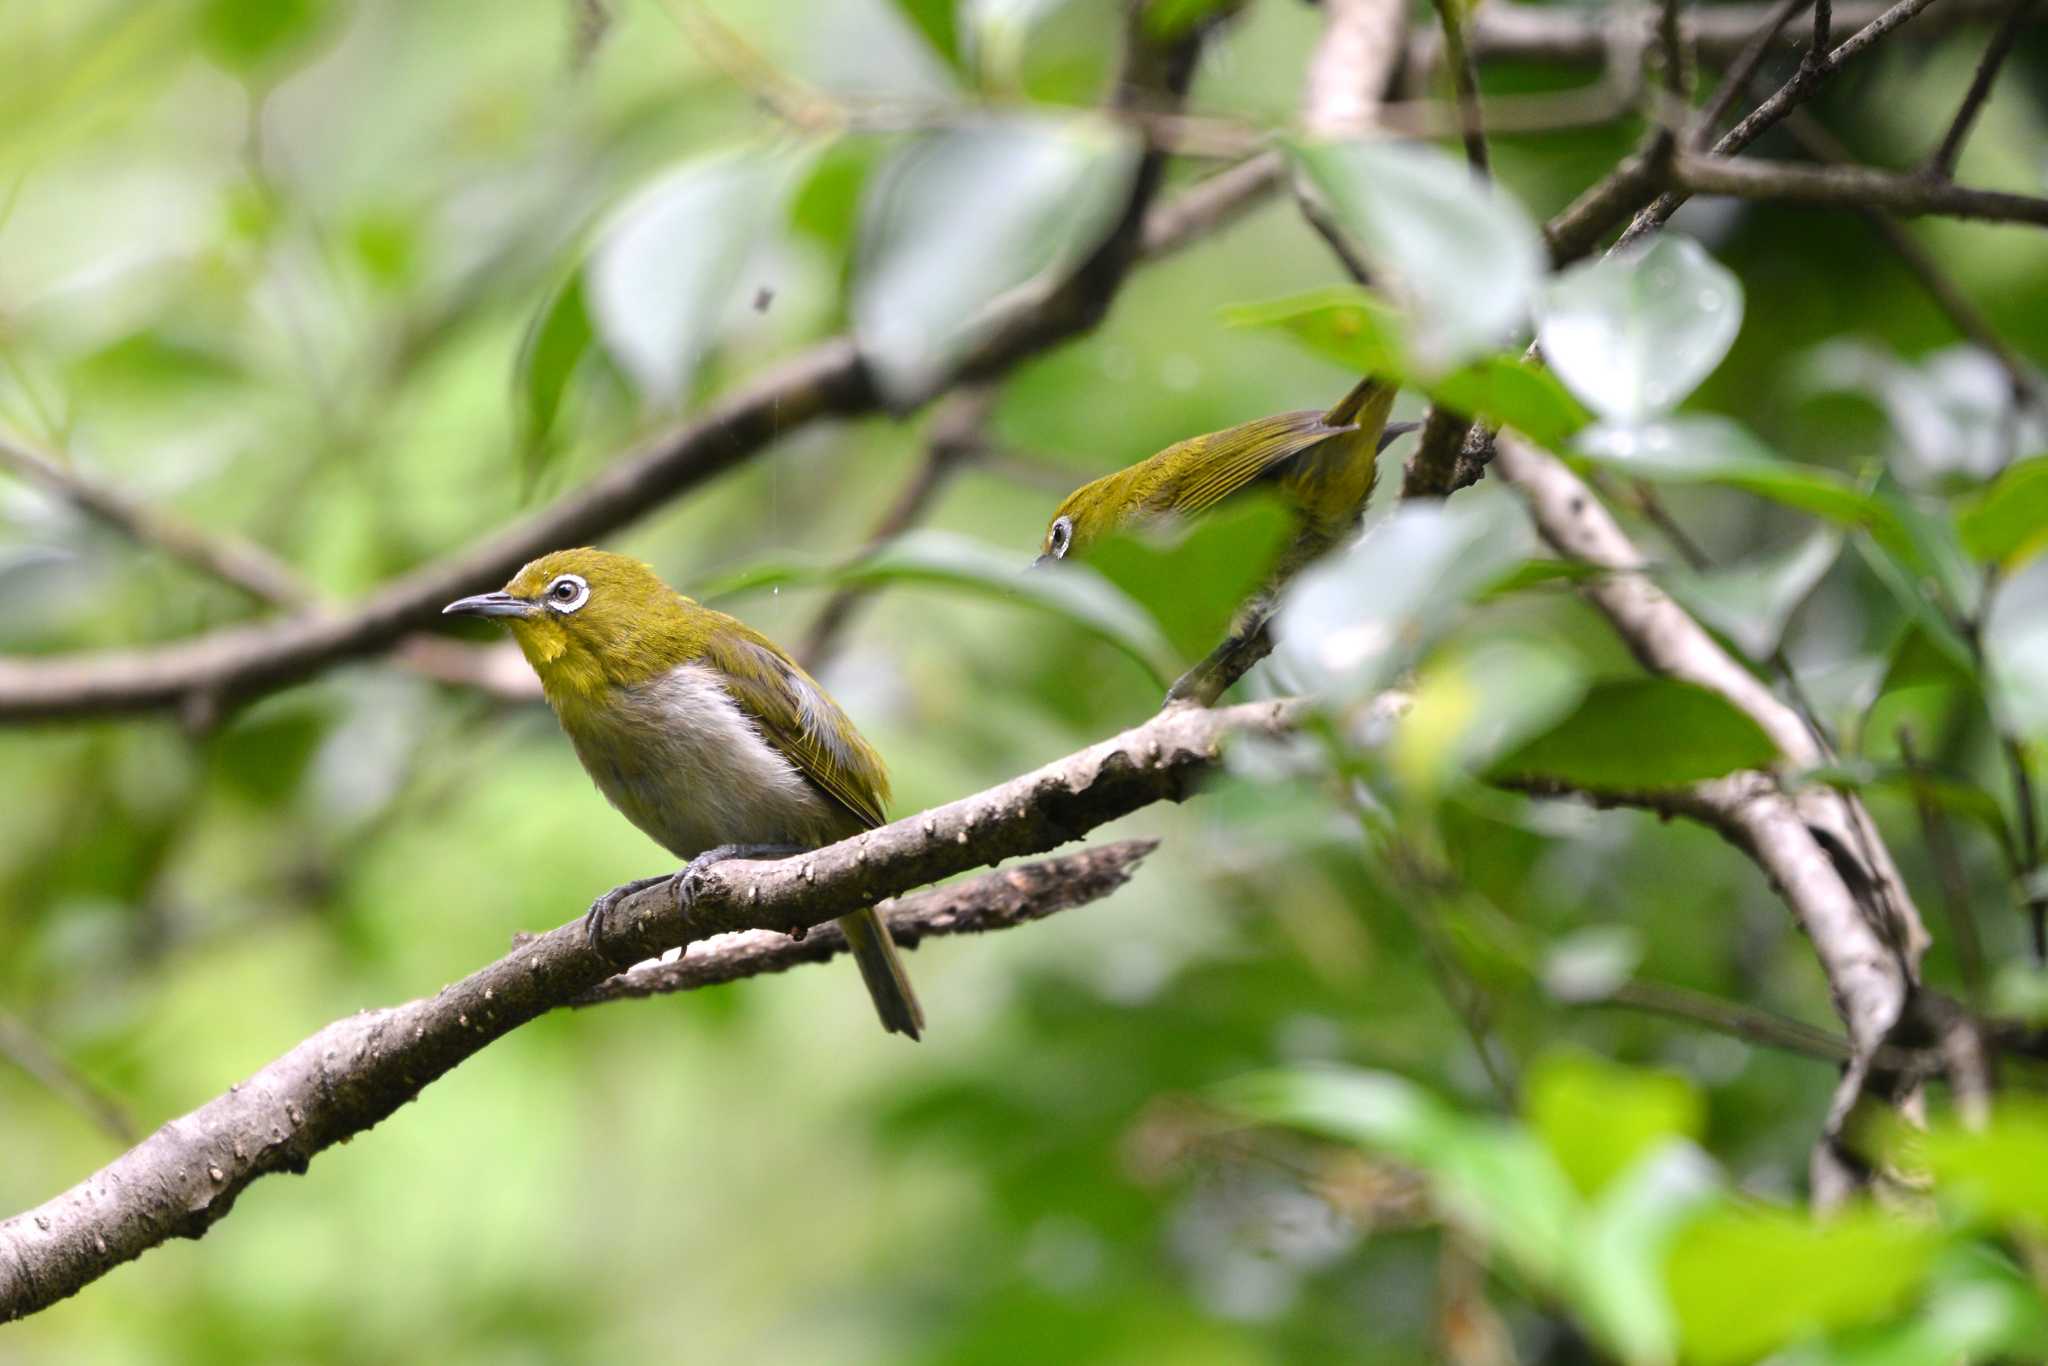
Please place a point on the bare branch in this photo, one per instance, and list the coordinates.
(993, 901)
(358, 1071)
(1736, 79)
(1583, 34)
(1803, 86)
(1943, 162)
(1353, 66)
(1820, 848)
(1853, 187)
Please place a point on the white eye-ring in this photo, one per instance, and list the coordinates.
(1062, 533)
(567, 593)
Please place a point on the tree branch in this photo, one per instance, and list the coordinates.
(1943, 162)
(207, 673)
(1820, 848)
(1853, 187)
(356, 1072)
(1000, 900)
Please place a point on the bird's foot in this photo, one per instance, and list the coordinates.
(594, 918)
(686, 885)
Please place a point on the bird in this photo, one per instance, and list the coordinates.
(1320, 461)
(701, 731)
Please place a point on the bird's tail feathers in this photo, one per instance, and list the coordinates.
(881, 967)
(1366, 405)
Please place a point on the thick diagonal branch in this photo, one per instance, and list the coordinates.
(358, 1071)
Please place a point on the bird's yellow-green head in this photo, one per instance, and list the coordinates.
(1090, 513)
(588, 620)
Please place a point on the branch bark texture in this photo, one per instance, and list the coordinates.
(354, 1073)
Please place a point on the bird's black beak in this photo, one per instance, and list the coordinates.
(490, 605)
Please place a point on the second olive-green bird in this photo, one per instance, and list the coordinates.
(703, 733)
(1322, 462)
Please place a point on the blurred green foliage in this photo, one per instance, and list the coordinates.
(321, 274)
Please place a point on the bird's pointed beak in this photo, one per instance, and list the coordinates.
(1041, 562)
(490, 605)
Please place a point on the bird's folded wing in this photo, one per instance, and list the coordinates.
(1226, 461)
(798, 718)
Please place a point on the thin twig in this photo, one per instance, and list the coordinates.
(1823, 18)
(20, 1046)
(1969, 320)
(1465, 80)
(1943, 162)
(1738, 75)
(1853, 187)
(1752, 1024)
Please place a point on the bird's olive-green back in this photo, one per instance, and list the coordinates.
(634, 628)
(1309, 455)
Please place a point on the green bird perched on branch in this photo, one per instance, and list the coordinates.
(1322, 462)
(701, 732)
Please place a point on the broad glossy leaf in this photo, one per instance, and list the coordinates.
(1745, 1282)
(1599, 1118)
(671, 260)
(1642, 734)
(1951, 411)
(959, 218)
(1459, 254)
(1714, 450)
(2015, 637)
(2006, 524)
(1070, 591)
(1351, 622)
(1633, 334)
(1978, 1307)
(1752, 602)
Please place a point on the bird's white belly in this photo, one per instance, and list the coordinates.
(680, 759)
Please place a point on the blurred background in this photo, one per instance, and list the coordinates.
(290, 270)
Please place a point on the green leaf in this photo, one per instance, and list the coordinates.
(1073, 592)
(2006, 524)
(1633, 333)
(1166, 20)
(1714, 450)
(961, 217)
(1745, 1282)
(1193, 576)
(1362, 332)
(939, 22)
(1751, 603)
(248, 35)
(1615, 1279)
(1599, 1118)
(1458, 253)
(1352, 621)
(1999, 1174)
(1643, 734)
(672, 259)
(555, 343)
(1978, 1307)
